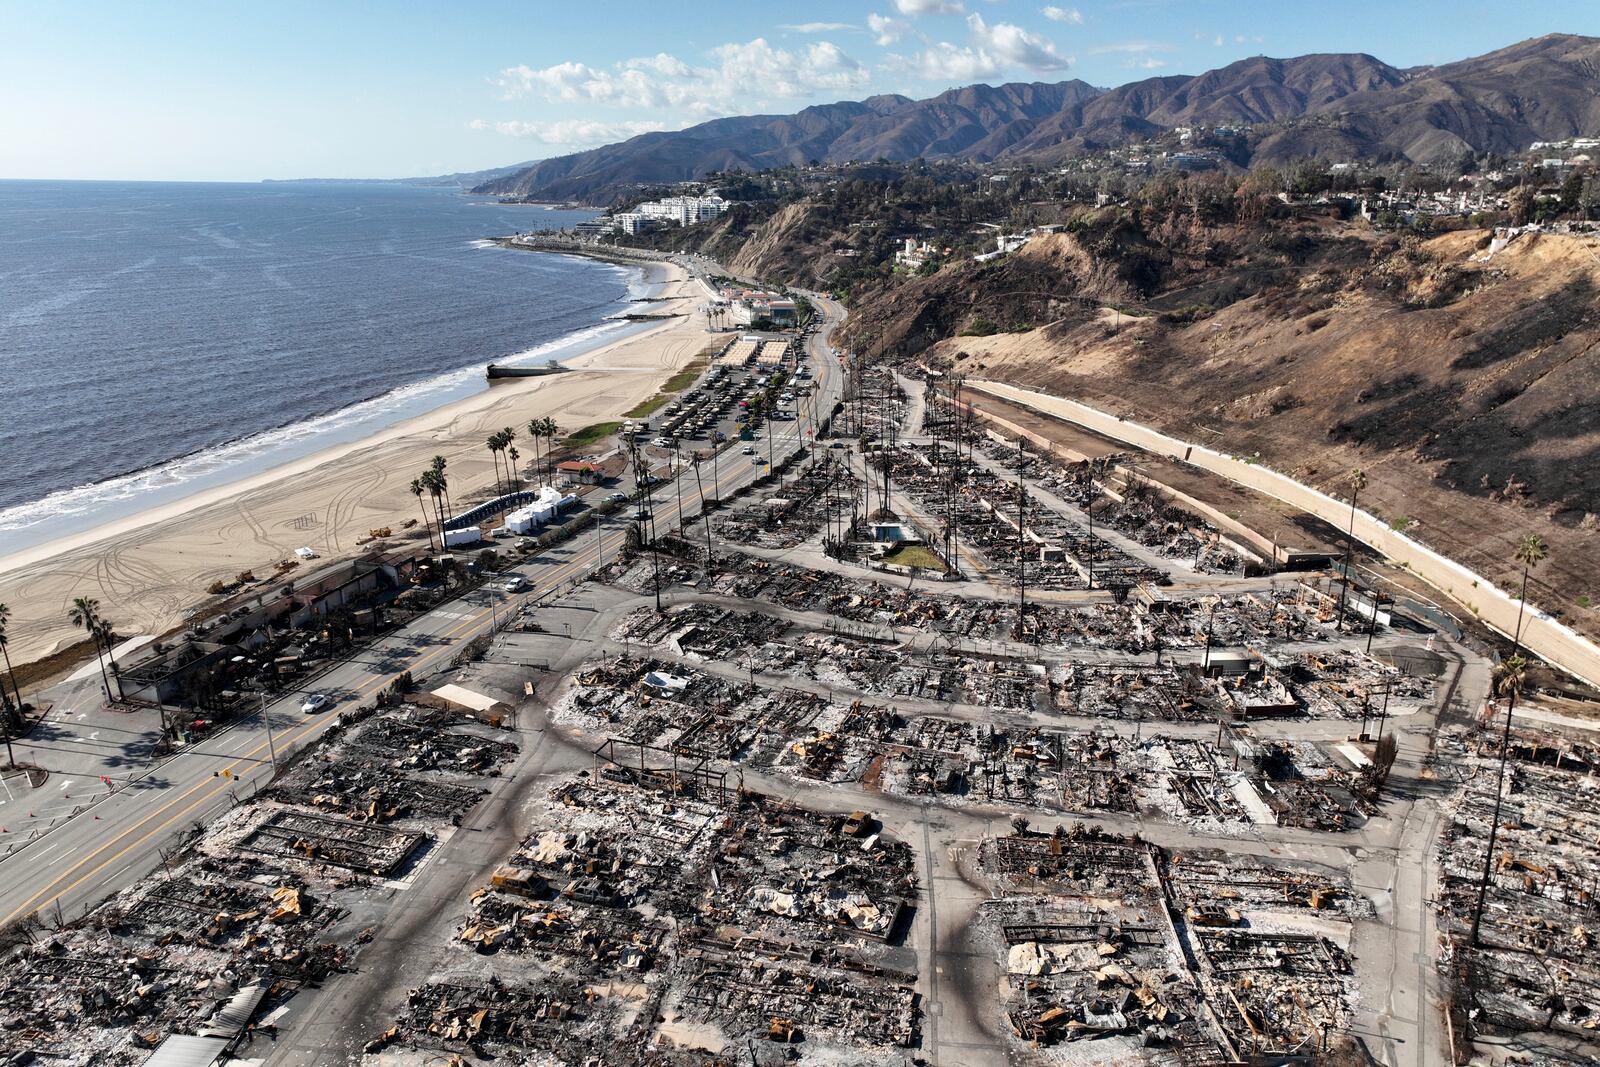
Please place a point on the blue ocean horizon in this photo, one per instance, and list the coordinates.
(159, 338)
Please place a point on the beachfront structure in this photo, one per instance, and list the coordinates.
(748, 306)
(683, 210)
(668, 211)
(544, 508)
(632, 222)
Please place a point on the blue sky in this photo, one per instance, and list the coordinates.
(223, 90)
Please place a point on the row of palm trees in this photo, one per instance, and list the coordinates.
(85, 615)
(545, 430)
(435, 484)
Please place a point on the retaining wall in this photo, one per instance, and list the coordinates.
(1543, 635)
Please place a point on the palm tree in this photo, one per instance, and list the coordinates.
(437, 468)
(507, 436)
(5, 650)
(436, 484)
(1530, 553)
(1508, 679)
(536, 431)
(516, 473)
(705, 516)
(1358, 482)
(417, 489)
(494, 446)
(548, 426)
(107, 634)
(85, 614)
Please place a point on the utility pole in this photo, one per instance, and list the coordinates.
(1205, 666)
(1022, 548)
(677, 476)
(272, 749)
(705, 516)
(1358, 482)
(1088, 509)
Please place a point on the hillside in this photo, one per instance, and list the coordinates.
(1335, 106)
(1466, 385)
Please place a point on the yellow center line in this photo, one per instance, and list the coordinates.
(48, 894)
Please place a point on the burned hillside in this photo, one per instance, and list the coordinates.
(1458, 371)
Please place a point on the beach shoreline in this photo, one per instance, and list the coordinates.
(150, 568)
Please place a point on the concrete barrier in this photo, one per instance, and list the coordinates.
(1543, 635)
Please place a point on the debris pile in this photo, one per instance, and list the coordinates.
(645, 912)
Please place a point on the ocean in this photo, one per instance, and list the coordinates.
(160, 338)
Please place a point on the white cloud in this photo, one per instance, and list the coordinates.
(928, 7)
(568, 132)
(1147, 63)
(947, 62)
(576, 82)
(885, 29)
(992, 51)
(815, 27)
(742, 75)
(1064, 14)
(661, 63)
(1131, 48)
(1015, 47)
(756, 68)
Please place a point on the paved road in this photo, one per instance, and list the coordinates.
(117, 838)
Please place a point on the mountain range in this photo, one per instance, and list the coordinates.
(1333, 106)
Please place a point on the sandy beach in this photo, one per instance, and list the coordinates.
(150, 569)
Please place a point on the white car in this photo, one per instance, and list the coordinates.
(316, 702)
(515, 584)
(747, 450)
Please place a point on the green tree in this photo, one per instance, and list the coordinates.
(417, 489)
(5, 650)
(85, 614)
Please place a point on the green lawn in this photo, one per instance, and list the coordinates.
(683, 379)
(915, 556)
(649, 407)
(590, 434)
(675, 384)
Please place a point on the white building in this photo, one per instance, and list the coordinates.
(630, 222)
(914, 255)
(544, 509)
(683, 210)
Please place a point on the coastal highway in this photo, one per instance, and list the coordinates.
(119, 838)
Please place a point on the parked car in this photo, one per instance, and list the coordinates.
(316, 702)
